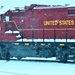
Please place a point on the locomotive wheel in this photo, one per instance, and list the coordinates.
(19, 58)
(74, 58)
(64, 58)
(0, 58)
(7, 56)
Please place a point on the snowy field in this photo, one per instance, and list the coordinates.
(35, 68)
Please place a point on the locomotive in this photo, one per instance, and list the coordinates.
(38, 31)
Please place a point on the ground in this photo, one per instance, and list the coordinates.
(35, 68)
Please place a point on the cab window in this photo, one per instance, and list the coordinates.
(7, 18)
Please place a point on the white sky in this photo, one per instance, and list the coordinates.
(9, 4)
(18, 3)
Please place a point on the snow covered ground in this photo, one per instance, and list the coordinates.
(35, 68)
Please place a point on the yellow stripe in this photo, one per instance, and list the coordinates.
(41, 29)
(0, 28)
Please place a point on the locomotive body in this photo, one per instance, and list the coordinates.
(38, 31)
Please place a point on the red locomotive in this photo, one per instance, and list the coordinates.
(38, 31)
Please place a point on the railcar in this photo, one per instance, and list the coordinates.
(38, 31)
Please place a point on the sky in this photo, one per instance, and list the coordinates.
(21, 3)
(10, 4)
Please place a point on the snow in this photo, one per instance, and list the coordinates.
(18, 36)
(45, 40)
(38, 58)
(35, 68)
(29, 40)
(52, 6)
(10, 32)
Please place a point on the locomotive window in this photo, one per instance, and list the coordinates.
(19, 14)
(7, 18)
(71, 12)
